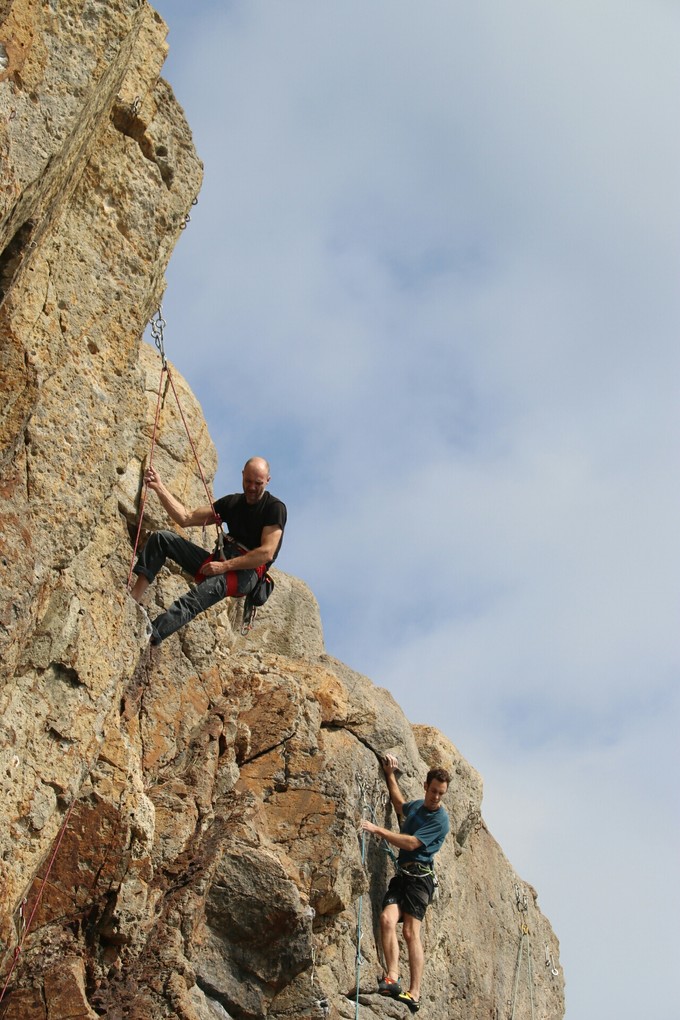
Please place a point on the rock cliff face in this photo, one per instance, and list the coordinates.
(188, 815)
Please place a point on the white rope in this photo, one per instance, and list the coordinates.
(357, 971)
(522, 902)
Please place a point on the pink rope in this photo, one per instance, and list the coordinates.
(191, 442)
(17, 951)
(145, 490)
(165, 368)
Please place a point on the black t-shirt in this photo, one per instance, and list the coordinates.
(245, 522)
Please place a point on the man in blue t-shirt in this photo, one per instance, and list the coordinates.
(255, 520)
(423, 827)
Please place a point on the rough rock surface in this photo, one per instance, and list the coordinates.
(184, 822)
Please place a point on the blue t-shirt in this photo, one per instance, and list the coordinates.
(430, 827)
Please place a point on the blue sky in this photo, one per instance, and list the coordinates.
(432, 276)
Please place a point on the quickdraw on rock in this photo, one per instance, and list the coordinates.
(550, 963)
(187, 219)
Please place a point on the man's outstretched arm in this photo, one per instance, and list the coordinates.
(401, 840)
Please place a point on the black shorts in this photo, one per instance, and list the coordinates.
(412, 894)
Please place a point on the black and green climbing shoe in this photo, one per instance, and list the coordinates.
(413, 1004)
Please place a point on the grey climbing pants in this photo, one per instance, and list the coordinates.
(162, 545)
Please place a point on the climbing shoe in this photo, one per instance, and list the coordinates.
(413, 1004)
(150, 632)
(386, 986)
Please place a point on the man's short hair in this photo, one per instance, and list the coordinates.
(441, 775)
(257, 461)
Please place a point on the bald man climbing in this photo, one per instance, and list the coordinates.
(255, 521)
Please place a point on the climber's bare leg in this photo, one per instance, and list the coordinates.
(139, 587)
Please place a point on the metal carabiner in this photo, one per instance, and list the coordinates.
(549, 962)
(157, 327)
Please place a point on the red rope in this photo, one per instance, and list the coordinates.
(38, 898)
(191, 442)
(145, 490)
(165, 368)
